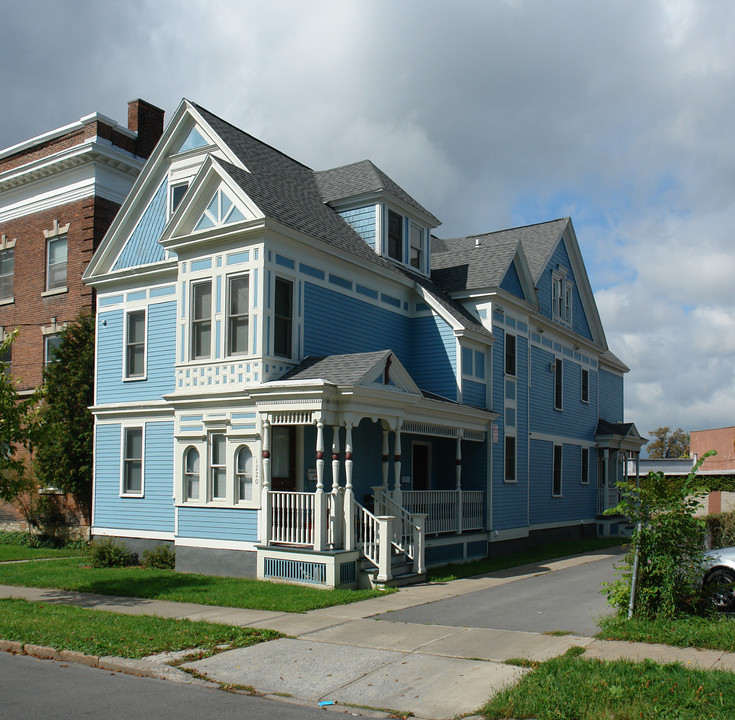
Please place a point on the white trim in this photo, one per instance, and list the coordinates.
(561, 439)
(126, 315)
(123, 428)
(508, 534)
(127, 533)
(216, 544)
(522, 532)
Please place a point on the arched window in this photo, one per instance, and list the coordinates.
(191, 474)
(244, 474)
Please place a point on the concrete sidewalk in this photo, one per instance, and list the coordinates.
(341, 654)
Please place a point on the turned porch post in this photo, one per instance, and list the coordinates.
(265, 498)
(386, 459)
(458, 471)
(397, 495)
(320, 500)
(336, 513)
(349, 501)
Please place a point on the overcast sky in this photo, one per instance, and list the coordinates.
(491, 114)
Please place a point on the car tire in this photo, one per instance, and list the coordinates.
(721, 582)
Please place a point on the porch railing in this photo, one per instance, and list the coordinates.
(444, 509)
(408, 529)
(292, 518)
(607, 497)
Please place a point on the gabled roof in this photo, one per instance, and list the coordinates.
(362, 178)
(622, 435)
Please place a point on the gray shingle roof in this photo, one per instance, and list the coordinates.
(338, 369)
(459, 264)
(360, 178)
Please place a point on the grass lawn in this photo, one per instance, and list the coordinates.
(169, 585)
(547, 551)
(716, 632)
(570, 687)
(23, 552)
(96, 632)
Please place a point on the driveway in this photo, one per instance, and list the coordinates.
(566, 600)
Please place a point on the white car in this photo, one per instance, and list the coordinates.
(720, 570)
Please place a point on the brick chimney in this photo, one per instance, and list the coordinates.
(147, 121)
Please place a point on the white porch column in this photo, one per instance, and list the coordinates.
(385, 535)
(265, 498)
(349, 500)
(320, 500)
(458, 472)
(397, 495)
(336, 513)
(386, 458)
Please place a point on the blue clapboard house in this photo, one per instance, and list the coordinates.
(296, 379)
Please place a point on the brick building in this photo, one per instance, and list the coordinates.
(59, 192)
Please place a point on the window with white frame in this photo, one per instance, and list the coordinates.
(585, 386)
(50, 346)
(220, 211)
(135, 336)
(176, 196)
(416, 246)
(558, 383)
(244, 474)
(510, 458)
(132, 480)
(191, 474)
(510, 354)
(7, 270)
(395, 236)
(238, 289)
(56, 257)
(283, 318)
(217, 466)
(556, 481)
(201, 320)
(561, 297)
(473, 363)
(585, 466)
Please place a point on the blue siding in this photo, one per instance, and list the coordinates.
(474, 393)
(160, 340)
(433, 357)
(154, 511)
(579, 319)
(237, 524)
(512, 283)
(611, 396)
(142, 246)
(362, 221)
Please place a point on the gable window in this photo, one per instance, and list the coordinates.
(585, 392)
(217, 467)
(585, 466)
(395, 236)
(558, 383)
(561, 297)
(135, 333)
(133, 461)
(556, 484)
(56, 253)
(50, 346)
(177, 195)
(416, 246)
(283, 318)
(7, 269)
(191, 474)
(201, 320)
(244, 474)
(510, 458)
(220, 211)
(237, 315)
(510, 354)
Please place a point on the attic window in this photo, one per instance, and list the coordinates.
(193, 140)
(561, 297)
(220, 211)
(395, 236)
(177, 194)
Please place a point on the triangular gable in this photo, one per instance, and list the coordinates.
(185, 133)
(389, 372)
(517, 279)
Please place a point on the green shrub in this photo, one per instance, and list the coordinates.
(13, 537)
(720, 530)
(111, 553)
(162, 557)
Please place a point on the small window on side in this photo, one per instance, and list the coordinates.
(556, 482)
(135, 344)
(510, 354)
(585, 473)
(56, 257)
(395, 236)
(585, 385)
(133, 461)
(510, 458)
(244, 473)
(191, 474)
(558, 384)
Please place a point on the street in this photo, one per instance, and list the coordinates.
(567, 600)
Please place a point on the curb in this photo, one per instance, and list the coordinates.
(129, 666)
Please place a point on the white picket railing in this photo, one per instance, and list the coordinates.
(473, 510)
(292, 518)
(403, 527)
(367, 534)
(443, 509)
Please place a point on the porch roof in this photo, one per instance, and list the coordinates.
(624, 436)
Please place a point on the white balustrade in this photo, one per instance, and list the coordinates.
(441, 509)
(292, 518)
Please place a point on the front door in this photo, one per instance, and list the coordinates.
(283, 458)
(420, 466)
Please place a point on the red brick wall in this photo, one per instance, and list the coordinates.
(88, 220)
(722, 440)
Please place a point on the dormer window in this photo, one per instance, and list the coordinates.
(220, 211)
(416, 246)
(561, 297)
(177, 194)
(395, 236)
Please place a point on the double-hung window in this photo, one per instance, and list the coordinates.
(585, 466)
(56, 255)
(416, 246)
(585, 391)
(561, 297)
(132, 482)
(7, 269)
(237, 315)
(510, 354)
(201, 320)
(558, 384)
(395, 236)
(135, 333)
(191, 474)
(283, 318)
(510, 458)
(50, 346)
(244, 474)
(556, 482)
(217, 466)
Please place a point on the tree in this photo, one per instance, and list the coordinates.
(18, 425)
(64, 455)
(668, 443)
